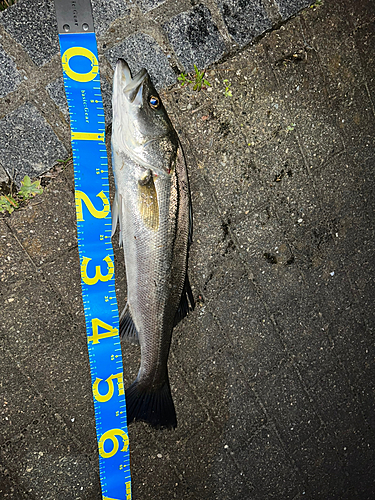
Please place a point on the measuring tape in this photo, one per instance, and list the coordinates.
(82, 87)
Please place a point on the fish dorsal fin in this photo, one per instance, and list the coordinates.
(186, 298)
(128, 329)
(190, 240)
(181, 164)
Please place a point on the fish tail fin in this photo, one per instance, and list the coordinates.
(154, 407)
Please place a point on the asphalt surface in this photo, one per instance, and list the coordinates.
(273, 374)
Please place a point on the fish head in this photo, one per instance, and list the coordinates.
(141, 127)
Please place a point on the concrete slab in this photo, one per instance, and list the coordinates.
(48, 232)
(273, 373)
(14, 388)
(49, 464)
(15, 262)
(269, 469)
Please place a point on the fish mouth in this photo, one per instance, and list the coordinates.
(131, 87)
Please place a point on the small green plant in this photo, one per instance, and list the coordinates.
(318, 3)
(184, 81)
(64, 162)
(8, 204)
(28, 190)
(291, 127)
(6, 3)
(199, 80)
(227, 91)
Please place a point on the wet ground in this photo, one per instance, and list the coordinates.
(273, 373)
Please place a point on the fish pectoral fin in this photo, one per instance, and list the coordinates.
(148, 205)
(186, 298)
(128, 329)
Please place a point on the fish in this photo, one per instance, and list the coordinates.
(152, 206)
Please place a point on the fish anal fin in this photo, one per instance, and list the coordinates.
(128, 329)
(154, 406)
(186, 298)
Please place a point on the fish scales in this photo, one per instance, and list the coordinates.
(152, 203)
(156, 273)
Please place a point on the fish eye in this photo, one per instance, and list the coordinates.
(154, 102)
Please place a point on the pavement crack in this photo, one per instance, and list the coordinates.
(23, 248)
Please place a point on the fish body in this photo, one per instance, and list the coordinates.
(152, 205)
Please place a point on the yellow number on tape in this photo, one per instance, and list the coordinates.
(82, 197)
(96, 336)
(80, 51)
(98, 275)
(111, 435)
(103, 398)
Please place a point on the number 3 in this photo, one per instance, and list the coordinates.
(98, 275)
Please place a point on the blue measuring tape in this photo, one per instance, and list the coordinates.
(82, 87)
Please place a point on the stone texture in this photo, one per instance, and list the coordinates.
(10, 78)
(289, 7)
(244, 20)
(107, 11)
(57, 92)
(147, 5)
(141, 51)
(195, 38)
(33, 25)
(29, 145)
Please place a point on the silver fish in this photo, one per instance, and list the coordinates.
(152, 205)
